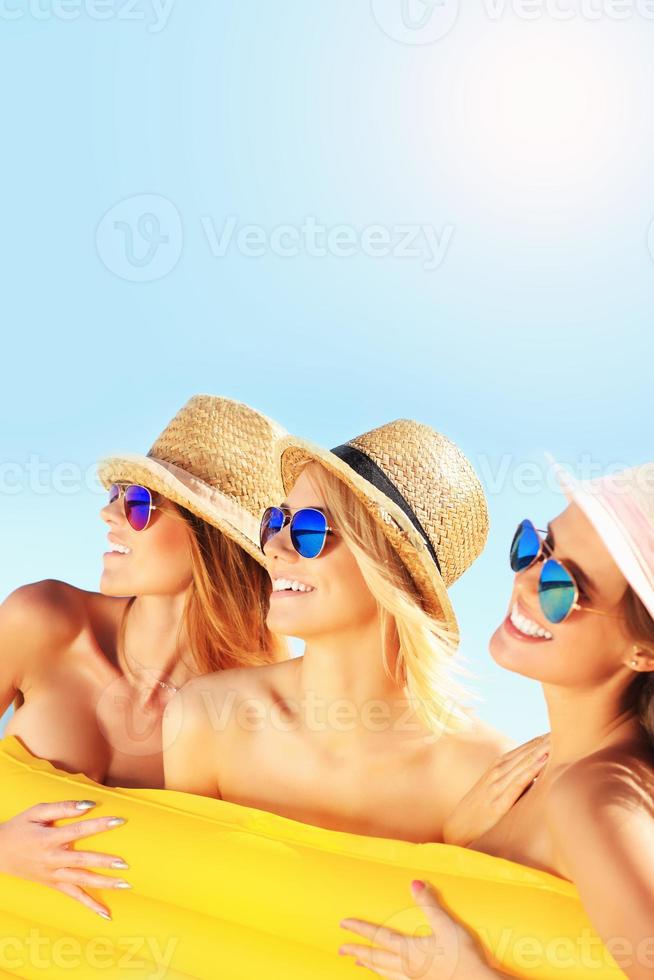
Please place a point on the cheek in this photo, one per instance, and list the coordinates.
(348, 588)
(581, 653)
(162, 562)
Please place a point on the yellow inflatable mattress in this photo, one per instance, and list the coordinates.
(224, 891)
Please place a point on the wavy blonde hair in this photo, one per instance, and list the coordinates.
(417, 649)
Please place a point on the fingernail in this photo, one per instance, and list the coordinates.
(544, 758)
(85, 805)
(122, 884)
(122, 865)
(115, 822)
(418, 885)
(105, 915)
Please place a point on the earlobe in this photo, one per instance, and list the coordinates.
(641, 661)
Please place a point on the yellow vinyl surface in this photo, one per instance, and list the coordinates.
(224, 891)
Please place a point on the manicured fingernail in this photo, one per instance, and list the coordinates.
(85, 805)
(115, 822)
(121, 865)
(122, 884)
(418, 886)
(105, 915)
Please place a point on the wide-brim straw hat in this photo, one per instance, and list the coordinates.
(421, 490)
(621, 509)
(216, 459)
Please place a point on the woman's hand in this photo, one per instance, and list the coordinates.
(448, 952)
(31, 848)
(496, 792)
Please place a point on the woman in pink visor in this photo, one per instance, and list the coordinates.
(581, 621)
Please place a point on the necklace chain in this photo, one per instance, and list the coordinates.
(165, 685)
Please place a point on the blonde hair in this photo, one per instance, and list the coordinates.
(641, 630)
(421, 646)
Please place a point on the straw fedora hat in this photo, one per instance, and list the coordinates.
(421, 490)
(621, 509)
(215, 458)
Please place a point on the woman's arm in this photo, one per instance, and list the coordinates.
(16, 643)
(601, 817)
(36, 620)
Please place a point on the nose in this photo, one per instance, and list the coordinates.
(281, 546)
(528, 579)
(112, 513)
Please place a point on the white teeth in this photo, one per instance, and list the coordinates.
(121, 549)
(290, 585)
(528, 626)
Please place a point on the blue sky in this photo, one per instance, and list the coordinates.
(342, 214)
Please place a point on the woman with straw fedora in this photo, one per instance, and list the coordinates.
(182, 592)
(367, 731)
(581, 621)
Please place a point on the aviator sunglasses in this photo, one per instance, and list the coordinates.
(558, 592)
(308, 527)
(137, 503)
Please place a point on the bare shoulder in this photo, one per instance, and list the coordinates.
(603, 796)
(476, 747)
(603, 785)
(42, 613)
(213, 702)
(604, 804)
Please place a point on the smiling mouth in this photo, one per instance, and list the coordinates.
(525, 627)
(286, 586)
(117, 550)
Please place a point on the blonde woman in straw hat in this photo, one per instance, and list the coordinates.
(581, 621)
(366, 732)
(183, 592)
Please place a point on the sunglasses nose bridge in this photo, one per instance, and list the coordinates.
(281, 542)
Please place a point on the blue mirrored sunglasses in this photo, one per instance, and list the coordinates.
(137, 503)
(558, 592)
(309, 528)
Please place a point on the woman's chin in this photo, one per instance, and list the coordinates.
(111, 585)
(503, 650)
